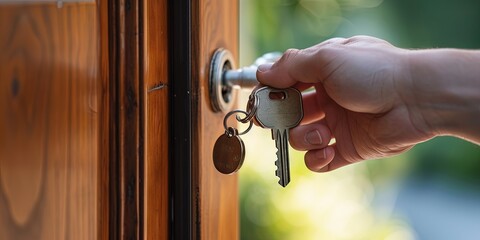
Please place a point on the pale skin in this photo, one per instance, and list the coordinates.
(375, 99)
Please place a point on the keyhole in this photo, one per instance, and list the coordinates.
(277, 95)
(226, 88)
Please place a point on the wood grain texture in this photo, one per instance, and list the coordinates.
(52, 109)
(125, 75)
(106, 138)
(155, 91)
(215, 25)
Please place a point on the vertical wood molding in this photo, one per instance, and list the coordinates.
(113, 141)
(128, 154)
(156, 119)
(141, 86)
(105, 140)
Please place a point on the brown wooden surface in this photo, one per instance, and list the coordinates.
(84, 124)
(139, 51)
(155, 91)
(215, 25)
(125, 70)
(53, 121)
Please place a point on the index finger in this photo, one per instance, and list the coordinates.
(306, 66)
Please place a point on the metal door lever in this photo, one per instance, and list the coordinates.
(224, 78)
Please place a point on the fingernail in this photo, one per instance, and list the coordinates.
(264, 67)
(313, 138)
(321, 154)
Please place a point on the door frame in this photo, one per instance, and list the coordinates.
(158, 117)
(182, 207)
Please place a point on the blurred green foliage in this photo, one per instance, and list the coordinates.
(275, 25)
(339, 205)
(448, 158)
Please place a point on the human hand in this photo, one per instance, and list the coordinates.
(358, 100)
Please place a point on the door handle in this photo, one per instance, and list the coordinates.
(225, 78)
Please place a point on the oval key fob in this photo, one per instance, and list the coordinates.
(228, 152)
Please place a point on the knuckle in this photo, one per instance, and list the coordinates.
(288, 55)
(355, 39)
(291, 52)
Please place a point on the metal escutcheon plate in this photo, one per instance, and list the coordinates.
(221, 94)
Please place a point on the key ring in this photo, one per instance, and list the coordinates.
(230, 114)
(252, 112)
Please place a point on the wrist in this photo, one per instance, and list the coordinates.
(409, 95)
(445, 91)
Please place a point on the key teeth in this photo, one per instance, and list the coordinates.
(277, 163)
(276, 170)
(278, 174)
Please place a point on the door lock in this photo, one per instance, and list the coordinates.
(225, 78)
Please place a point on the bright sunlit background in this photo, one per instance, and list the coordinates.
(430, 192)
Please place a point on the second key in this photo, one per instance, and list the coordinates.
(279, 110)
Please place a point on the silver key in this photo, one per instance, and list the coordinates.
(280, 110)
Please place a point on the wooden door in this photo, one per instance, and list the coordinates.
(106, 129)
(54, 120)
(198, 28)
(217, 26)
(218, 195)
